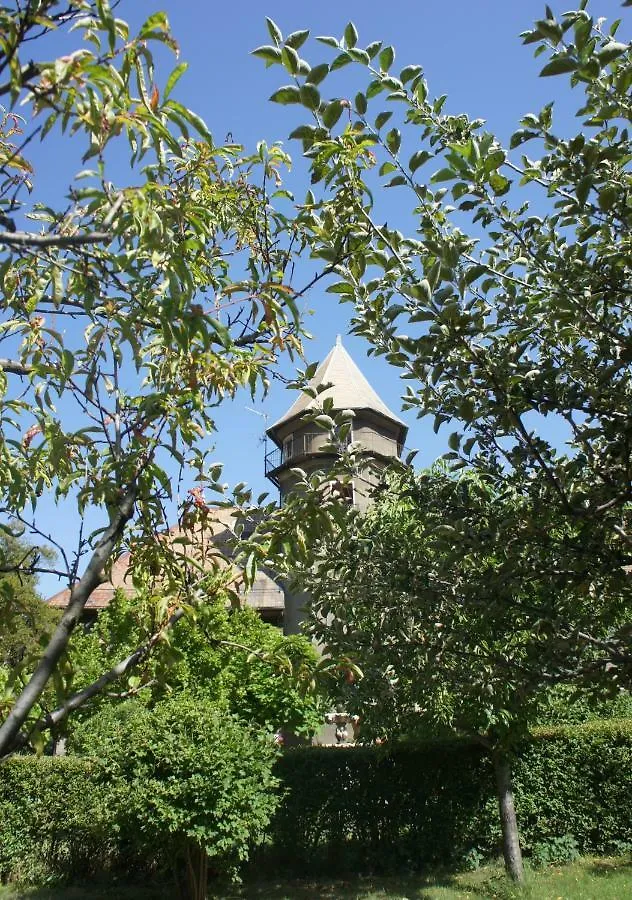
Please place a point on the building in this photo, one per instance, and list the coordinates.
(380, 435)
(378, 432)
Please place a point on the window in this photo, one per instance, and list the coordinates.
(345, 492)
(288, 447)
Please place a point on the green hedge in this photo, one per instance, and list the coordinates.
(350, 809)
(53, 819)
(434, 803)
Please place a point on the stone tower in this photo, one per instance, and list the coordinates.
(378, 431)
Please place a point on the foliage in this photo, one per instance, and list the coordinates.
(152, 293)
(420, 804)
(55, 820)
(24, 619)
(185, 781)
(400, 807)
(507, 308)
(504, 308)
(231, 658)
(435, 595)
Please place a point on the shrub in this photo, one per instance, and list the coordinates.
(54, 819)
(433, 803)
(182, 776)
(185, 782)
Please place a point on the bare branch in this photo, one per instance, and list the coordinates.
(13, 367)
(28, 239)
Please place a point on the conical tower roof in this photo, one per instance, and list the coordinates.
(349, 390)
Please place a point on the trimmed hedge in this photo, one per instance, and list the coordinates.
(53, 819)
(434, 803)
(359, 808)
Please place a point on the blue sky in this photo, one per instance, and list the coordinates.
(470, 51)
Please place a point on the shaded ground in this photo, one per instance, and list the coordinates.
(587, 879)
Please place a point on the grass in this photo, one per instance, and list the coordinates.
(587, 879)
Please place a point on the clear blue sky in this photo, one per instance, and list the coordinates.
(469, 50)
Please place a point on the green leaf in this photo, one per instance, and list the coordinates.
(454, 441)
(290, 59)
(287, 94)
(443, 175)
(317, 74)
(329, 41)
(351, 35)
(418, 159)
(386, 59)
(499, 183)
(360, 104)
(297, 39)
(409, 72)
(607, 197)
(303, 132)
(583, 188)
(360, 56)
(393, 140)
(342, 60)
(309, 96)
(382, 119)
(331, 113)
(269, 53)
(611, 51)
(475, 272)
(173, 79)
(274, 31)
(558, 66)
(221, 331)
(156, 22)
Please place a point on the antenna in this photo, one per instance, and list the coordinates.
(262, 440)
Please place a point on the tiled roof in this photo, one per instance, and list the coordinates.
(349, 389)
(264, 594)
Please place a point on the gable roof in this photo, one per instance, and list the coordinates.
(349, 390)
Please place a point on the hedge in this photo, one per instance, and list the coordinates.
(430, 804)
(360, 808)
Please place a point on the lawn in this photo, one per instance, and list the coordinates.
(587, 879)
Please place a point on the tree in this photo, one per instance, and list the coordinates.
(451, 617)
(25, 620)
(186, 784)
(146, 299)
(233, 659)
(508, 309)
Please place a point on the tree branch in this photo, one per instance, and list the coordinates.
(12, 367)
(28, 239)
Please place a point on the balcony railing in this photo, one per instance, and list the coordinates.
(305, 444)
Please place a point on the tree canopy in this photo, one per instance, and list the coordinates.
(506, 306)
(151, 294)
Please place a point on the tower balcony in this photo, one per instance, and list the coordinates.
(303, 446)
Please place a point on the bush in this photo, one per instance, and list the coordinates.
(181, 785)
(186, 782)
(180, 773)
(53, 819)
(432, 803)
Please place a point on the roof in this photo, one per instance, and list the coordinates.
(349, 389)
(264, 594)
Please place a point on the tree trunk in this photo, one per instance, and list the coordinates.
(79, 594)
(197, 872)
(511, 841)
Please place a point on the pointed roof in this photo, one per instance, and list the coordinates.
(349, 390)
